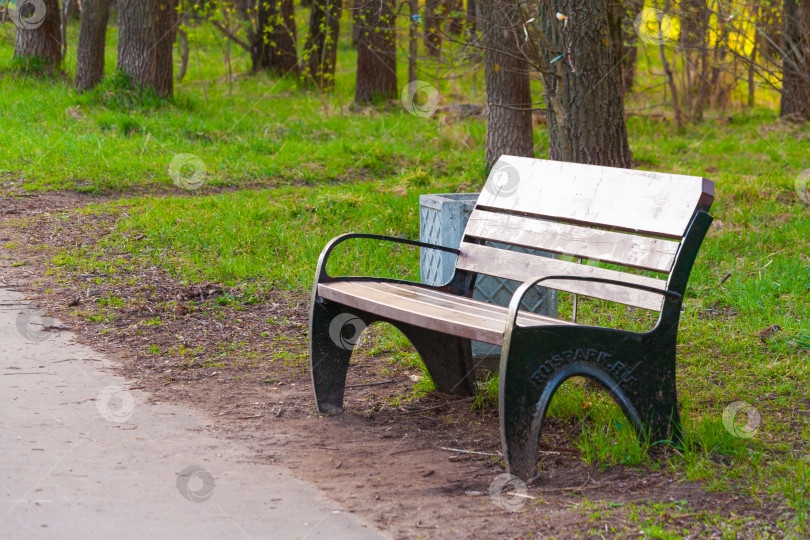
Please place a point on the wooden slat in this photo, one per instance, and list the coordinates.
(523, 266)
(649, 202)
(463, 303)
(421, 307)
(595, 244)
(362, 295)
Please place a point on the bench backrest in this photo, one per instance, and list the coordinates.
(634, 219)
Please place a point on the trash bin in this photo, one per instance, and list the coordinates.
(442, 220)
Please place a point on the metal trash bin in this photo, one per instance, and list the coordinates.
(442, 220)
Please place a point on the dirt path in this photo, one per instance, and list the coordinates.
(85, 455)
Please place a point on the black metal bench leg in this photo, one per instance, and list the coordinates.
(536, 361)
(333, 334)
(448, 359)
(521, 425)
(657, 405)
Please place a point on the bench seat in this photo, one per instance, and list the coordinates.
(627, 237)
(427, 307)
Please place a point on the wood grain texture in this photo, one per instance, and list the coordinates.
(426, 308)
(646, 202)
(596, 244)
(521, 267)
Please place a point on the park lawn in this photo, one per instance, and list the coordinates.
(315, 167)
(251, 130)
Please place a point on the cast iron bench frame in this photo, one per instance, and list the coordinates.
(636, 219)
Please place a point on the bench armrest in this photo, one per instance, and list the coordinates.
(320, 272)
(517, 298)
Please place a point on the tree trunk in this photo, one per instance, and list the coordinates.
(285, 35)
(182, 40)
(695, 35)
(680, 120)
(752, 71)
(63, 30)
(628, 62)
(357, 26)
(274, 41)
(90, 50)
(700, 88)
(433, 24)
(376, 53)
(795, 102)
(146, 32)
(320, 51)
(413, 44)
(73, 11)
(39, 32)
(258, 39)
(472, 17)
(586, 110)
(70, 11)
(509, 99)
(454, 9)
(623, 40)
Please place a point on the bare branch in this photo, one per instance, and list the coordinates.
(231, 36)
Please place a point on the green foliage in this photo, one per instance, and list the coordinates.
(487, 395)
(29, 65)
(120, 93)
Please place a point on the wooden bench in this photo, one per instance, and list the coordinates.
(636, 220)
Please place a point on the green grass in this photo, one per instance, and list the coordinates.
(255, 130)
(317, 168)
